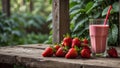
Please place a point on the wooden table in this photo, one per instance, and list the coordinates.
(30, 56)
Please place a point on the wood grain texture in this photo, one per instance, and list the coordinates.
(61, 22)
(6, 7)
(30, 56)
(119, 26)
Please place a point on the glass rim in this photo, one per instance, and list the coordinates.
(97, 21)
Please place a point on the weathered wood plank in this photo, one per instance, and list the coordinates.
(36, 46)
(61, 21)
(6, 7)
(31, 57)
(119, 27)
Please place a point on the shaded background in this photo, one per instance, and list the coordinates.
(30, 21)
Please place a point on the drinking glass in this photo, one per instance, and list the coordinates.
(98, 36)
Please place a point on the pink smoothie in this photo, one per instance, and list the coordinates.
(98, 36)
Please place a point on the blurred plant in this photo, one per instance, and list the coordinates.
(27, 20)
(83, 10)
(25, 26)
(39, 7)
(9, 31)
(13, 29)
(33, 38)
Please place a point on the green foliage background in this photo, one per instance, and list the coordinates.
(83, 10)
(24, 26)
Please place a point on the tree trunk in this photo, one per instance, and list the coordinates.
(31, 5)
(6, 7)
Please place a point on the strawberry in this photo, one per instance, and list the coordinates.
(86, 47)
(60, 52)
(48, 52)
(85, 41)
(112, 52)
(56, 47)
(67, 41)
(72, 53)
(85, 53)
(76, 42)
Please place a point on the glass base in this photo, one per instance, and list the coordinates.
(99, 54)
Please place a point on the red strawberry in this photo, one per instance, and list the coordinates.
(48, 52)
(56, 47)
(85, 53)
(60, 52)
(86, 47)
(72, 53)
(67, 41)
(85, 41)
(76, 42)
(112, 52)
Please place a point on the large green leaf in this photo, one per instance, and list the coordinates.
(105, 11)
(76, 13)
(72, 3)
(92, 5)
(75, 18)
(74, 8)
(81, 32)
(88, 6)
(114, 33)
(116, 7)
(77, 6)
(77, 27)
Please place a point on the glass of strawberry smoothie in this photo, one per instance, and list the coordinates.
(98, 36)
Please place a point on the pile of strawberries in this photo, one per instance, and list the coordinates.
(71, 48)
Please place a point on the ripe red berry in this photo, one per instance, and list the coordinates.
(48, 52)
(60, 52)
(112, 52)
(56, 47)
(72, 53)
(76, 42)
(67, 41)
(86, 47)
(85, 53)
(85, 41)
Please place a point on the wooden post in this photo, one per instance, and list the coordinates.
(31, 5)
(6, 7)
(119, 28)
(61, 22)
